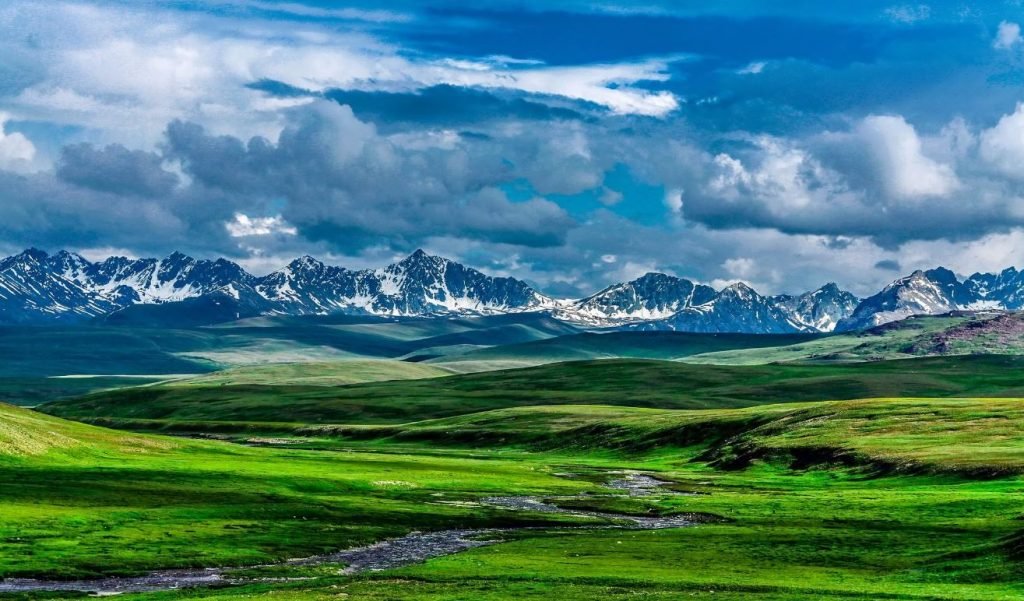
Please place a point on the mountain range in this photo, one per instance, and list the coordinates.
(39, 288)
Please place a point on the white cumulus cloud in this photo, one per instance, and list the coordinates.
(904, 169)
(1002, 146)
(16, 151)
(244, 226)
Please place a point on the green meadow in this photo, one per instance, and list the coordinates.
(821, 477)
(622, 382)
(886, 498)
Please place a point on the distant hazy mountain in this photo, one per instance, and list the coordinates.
(38, 288)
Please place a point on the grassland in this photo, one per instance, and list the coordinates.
(835, 478)
(972, 437)
(76, 500)
(635, 383)
(609, 345)
(924, 336)
(333, 373)
(33, 356)
(933, 527)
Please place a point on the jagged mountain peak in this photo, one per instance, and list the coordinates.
(39, 287)
(740, 289)
(305, 262)
(941, 275)
(418, 255)
(178, 258)
(69, 256)
(68, 263)
(29, 256)
(737, 308)
(819, 310)
(422, 263)
(655, 277)
(923, 292)
(652, 296)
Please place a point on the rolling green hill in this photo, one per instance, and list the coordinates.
(608, 345)
(33, 356)
(333, 373)
(621, 382)
(968, 436)
(925, 336)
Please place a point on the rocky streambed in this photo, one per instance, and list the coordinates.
(412, 548)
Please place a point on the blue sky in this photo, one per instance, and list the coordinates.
(573, 144)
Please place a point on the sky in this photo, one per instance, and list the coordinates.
(572, 143)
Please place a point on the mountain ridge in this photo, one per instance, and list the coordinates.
(39, 288)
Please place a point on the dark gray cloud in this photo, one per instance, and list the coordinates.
(115, 169)
(332, 178)
(42, 210)
(344, 183)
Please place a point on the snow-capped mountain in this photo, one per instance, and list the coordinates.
(653, 296)
(931, 292)
(307, 286)
(39, 288)
(176, 277)
(1004, 289)
(935, 292)
(820, 310)
(422, 284)
(736, 309)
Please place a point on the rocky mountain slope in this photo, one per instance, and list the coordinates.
(935, 292)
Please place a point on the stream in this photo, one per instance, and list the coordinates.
(412, 548)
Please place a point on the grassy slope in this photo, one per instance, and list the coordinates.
(32, 355)
(823, 534)
(638, 383)
(915, 337)
(967, 436)
(637, 345)
(42, 352)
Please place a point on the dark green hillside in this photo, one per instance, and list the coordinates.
(620, 382)
(606, 345)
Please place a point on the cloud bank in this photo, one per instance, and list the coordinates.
(570, 159)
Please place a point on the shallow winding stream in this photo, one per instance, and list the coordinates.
(412, 548)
